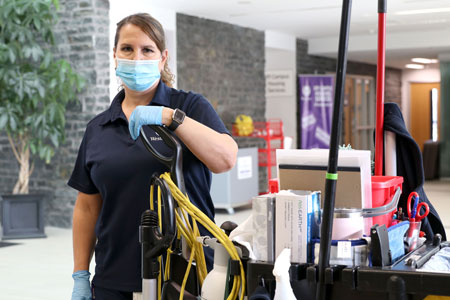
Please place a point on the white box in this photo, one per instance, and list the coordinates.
(263, 211)
(296, 217)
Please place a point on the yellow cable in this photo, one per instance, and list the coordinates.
(190, 233)
(167, 269)
(199, 216)
(159, 258)
(151, 197)
(184, 229)
(159, 278)
(159, 209)
(201, 263)
(186, 275)
(185, 218)
(236, 281)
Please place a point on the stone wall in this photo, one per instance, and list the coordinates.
(224, 63)
(82, 37)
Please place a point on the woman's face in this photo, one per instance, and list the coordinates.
(134, 44)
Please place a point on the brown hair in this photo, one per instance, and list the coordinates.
(155, 31)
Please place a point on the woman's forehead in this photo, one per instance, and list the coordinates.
(131, 33)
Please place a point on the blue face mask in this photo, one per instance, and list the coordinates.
(138, 75)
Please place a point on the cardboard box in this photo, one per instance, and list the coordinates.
(306, 169)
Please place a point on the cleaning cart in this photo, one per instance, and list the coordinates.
(385, 279)
(172, 256)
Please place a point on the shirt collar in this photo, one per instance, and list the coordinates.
(161, 98)
(162, 95)
(114, 111)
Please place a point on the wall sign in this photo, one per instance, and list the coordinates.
(244, 167)
(279, 83)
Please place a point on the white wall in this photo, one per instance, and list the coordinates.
(280, 55)
(120, 9)
(431, 74)
(279, 40)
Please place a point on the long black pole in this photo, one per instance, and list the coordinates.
(331, 176)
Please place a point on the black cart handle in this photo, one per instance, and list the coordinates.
(174, 162)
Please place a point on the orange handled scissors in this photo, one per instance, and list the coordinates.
(414, 211)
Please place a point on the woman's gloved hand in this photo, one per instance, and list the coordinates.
(81, 286)
(144, 115)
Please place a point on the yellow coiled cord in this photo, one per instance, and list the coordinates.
(190, 233)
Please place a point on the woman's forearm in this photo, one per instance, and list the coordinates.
(85, 214)
(217, 151)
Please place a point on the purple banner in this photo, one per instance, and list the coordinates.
(316, 109)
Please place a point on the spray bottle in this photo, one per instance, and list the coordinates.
(214, 285)
(283, 290)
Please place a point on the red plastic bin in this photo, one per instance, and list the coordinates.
(383, 189)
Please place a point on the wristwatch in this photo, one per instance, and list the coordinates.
(177, 118)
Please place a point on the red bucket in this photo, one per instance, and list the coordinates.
(383, 189)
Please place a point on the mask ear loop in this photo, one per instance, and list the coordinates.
(118, 80)
(119, 83)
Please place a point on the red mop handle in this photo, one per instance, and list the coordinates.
(379, 149)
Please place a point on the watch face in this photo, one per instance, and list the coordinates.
(178, 116)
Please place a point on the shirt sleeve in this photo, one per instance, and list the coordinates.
(202, 111)
(81, 177)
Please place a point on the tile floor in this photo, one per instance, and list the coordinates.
(40, 269)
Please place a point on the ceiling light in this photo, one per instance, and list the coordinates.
(414, 66)
(423, 11)
(421, 60)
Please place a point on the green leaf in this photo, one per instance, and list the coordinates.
(33, 148)
(54, 139)
(46, 60)
(56, 4)
(12, 56)
(12, 124)
(37, 23)
(41, 90)
(26, 50)
(3, 120)
(36, 53)
(50, 153)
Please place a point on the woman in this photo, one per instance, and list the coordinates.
(113, 168)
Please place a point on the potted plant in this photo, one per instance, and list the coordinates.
(35, 88)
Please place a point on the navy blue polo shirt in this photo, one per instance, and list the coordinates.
(111, 163)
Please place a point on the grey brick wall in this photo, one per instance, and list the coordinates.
(223, 62)
(82, 37)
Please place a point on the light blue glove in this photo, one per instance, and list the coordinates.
(144, 115)
(81, 286)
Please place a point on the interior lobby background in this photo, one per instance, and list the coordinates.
(222, 61)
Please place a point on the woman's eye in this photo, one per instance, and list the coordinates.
(148, 50)
(127, 49)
